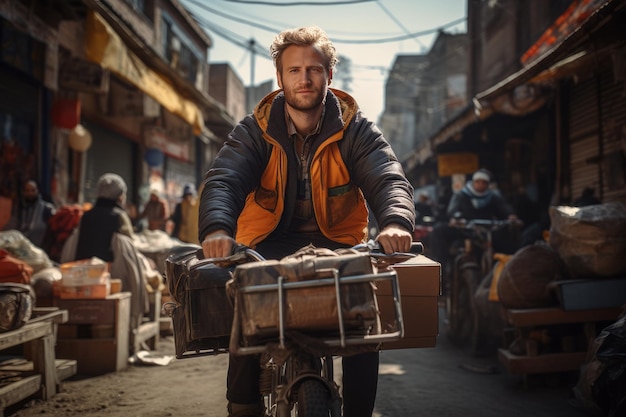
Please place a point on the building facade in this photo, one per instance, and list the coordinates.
(115, 86)
(546, 104)
(421, 93)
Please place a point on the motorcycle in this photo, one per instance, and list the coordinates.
(473, 259)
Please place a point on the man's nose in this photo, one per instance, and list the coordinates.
(305, 77)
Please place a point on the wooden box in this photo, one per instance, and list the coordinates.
(420, 282)
(85, 291)
(83, 337)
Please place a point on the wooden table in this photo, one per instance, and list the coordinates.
(534, 362)
(43, 375)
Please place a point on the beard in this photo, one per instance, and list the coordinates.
(311, 102)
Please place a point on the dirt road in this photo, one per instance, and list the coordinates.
(441, 381)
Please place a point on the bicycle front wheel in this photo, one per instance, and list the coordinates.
(313, 399)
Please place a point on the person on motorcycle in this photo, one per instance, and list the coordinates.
(476, 200)
(299, 171)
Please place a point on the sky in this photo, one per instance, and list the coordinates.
(370, 33)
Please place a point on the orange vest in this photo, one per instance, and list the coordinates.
(339, 206)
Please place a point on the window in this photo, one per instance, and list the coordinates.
(178, 51)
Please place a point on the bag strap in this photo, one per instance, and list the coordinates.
(301, 265)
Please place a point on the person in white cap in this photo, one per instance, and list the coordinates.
(476, 200)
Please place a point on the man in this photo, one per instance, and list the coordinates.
(297, 171)
(476, 200)
(155, 211)
(31, 217)
(185, 216)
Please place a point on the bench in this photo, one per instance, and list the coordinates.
(43, 373)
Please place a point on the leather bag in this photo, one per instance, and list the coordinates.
(310, 309)
(16, 305)
(202, 313)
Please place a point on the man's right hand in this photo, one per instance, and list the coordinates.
(217, 244)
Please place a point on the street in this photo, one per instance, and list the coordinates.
(441, 381)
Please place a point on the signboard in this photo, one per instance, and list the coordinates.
(155, 137)
(457, 163)
(81, 75)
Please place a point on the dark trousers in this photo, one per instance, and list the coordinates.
(360, 382)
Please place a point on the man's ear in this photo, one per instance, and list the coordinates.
(330, 77)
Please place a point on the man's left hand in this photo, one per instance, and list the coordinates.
(394, 238)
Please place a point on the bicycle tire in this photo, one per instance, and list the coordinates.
(313, 399)
(461, 319)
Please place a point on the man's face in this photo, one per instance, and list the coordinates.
(480, 185)
(303, 78)
(30, 192)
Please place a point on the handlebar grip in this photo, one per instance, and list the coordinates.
(417, 248)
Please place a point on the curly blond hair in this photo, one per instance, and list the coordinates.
(304, 36)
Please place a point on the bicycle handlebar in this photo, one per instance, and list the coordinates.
(242, 253)
(494, 224)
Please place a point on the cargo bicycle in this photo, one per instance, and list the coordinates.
(297, 343)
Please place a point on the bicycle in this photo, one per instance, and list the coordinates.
(473, 258)
(297, 372)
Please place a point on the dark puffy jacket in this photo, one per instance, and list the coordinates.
(97, 227)
(372, 166)
(491, 205)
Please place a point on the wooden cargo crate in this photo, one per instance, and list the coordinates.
(96, 333)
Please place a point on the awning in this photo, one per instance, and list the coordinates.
(570, 46)
(105, 47)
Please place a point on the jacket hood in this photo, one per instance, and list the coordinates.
(341, 108)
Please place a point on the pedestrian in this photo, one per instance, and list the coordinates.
(185, 216)
(106, 217)
(297, 171)
(32, 214)
(156, 211)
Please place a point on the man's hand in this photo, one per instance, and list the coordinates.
(217, 244)
(394, 238)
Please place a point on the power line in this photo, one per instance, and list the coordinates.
(388, 13)
(404, 37)
(227, 16)
(335, 40)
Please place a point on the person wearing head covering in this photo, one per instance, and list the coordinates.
(185, 216)
(156, 211)
(476, 200)
(107, 217)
